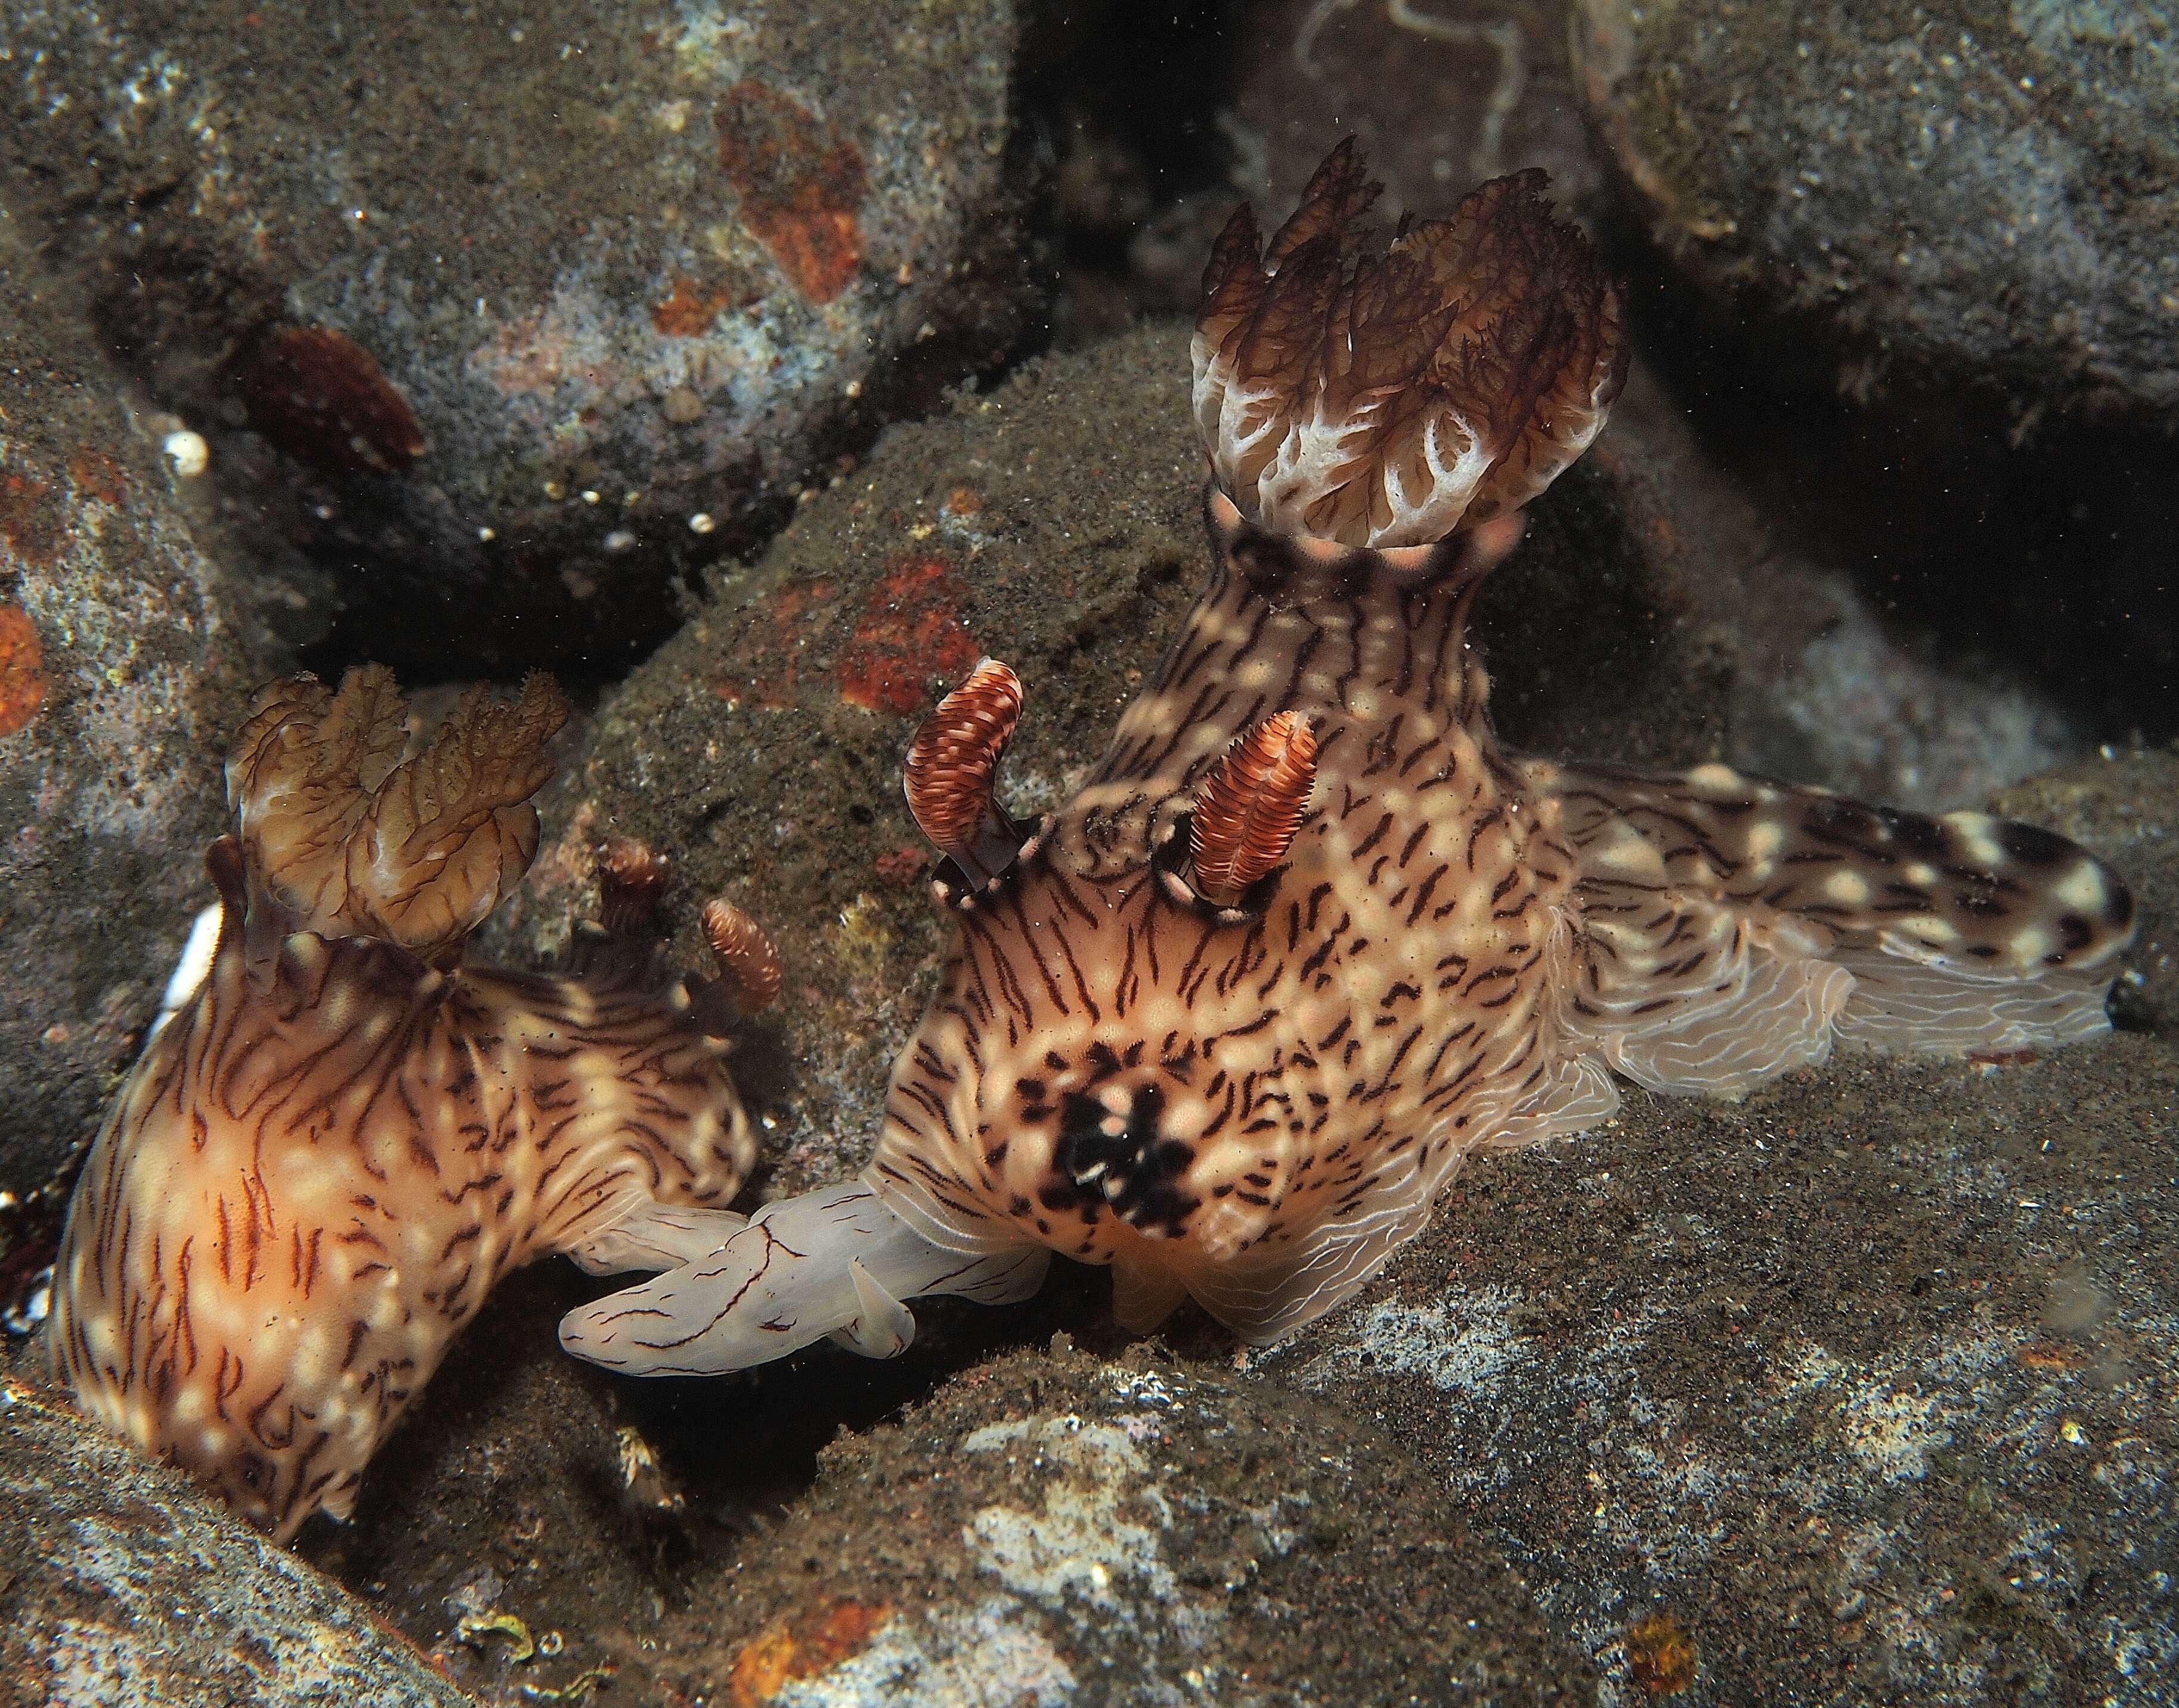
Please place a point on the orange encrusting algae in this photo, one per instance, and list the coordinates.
(22, 669)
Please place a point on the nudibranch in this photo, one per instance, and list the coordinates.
(1229, 1019)
(339, 1140)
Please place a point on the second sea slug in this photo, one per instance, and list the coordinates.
(343, 1135)
(1308, 936)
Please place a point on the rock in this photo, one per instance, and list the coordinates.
(1979, 196)
(524, 298)
(1853, 706)
(123, 1587)
(1856, 1389)
(1442, 96)
(1054, 1528)
(1040, 1524)
(1054, 523)
(127, 654)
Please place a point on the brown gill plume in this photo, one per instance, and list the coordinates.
(1397, 399)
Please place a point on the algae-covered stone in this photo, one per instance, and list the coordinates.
(1057, 1529)
(522, 292)
(1055, 523)
(122, 1586)
(1975, 191)
(127, 653)
(1443, 97)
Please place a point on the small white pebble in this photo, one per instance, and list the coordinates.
(589, 496)
(620, 540)
(487, 535)
(702, 522)
(188, 452)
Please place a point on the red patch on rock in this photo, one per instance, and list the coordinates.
(22, 669)
(97, 475)
(320, 395)
(29, 520)
(811, 1642)
(904, 866)
(686, 311)
(800, 186)
(910, 631)
(770, 655)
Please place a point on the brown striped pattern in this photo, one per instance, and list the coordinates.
(323, 1161)
(1256, 1105)
(1255, 1109)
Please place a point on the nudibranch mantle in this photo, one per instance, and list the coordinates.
(340, 1137)
(1252, 1097)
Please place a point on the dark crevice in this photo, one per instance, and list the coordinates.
(2035, 548)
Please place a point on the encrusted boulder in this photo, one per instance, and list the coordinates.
(123, 1583)
(521, 299)
(1055, 523)
(1971, 193)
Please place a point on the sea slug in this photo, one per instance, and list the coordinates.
(342, 1136)
(1229, 1019)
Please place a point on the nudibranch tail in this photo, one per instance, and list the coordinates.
(832, 1263)
(950, 777)
(1731, 929)
(1431, 388)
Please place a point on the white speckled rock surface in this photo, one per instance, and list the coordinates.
(123, 1587)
